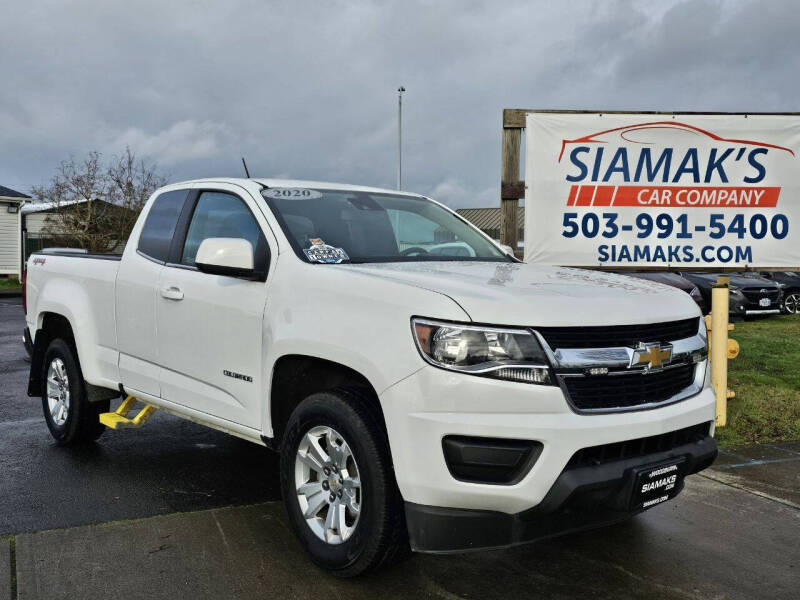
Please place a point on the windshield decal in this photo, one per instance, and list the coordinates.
(292, 193)
(320, 252)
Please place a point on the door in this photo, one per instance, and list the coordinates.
(210, 326)
(137, 284)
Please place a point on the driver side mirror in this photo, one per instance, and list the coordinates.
(507, 249)
(227, 256)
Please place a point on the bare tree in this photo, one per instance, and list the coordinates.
(130, 184)
(95, 205)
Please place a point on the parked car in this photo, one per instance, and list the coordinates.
(673, 280)
(789, 282)
(442, 403)
(750, 294)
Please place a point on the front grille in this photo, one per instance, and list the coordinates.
(756, 294)
(600, 455)
(598, 392)
(618, 335)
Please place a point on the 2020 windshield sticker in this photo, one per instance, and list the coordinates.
(320, 252)
(292, 193)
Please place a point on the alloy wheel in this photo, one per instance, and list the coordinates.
(58, 396)
(792, 303)
(328, 485)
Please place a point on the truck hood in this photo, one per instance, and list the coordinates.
(524, 294)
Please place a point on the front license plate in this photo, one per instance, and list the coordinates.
(656, 483)
(764, 302)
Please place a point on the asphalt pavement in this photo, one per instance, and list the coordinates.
(171, 465)
(175, 510)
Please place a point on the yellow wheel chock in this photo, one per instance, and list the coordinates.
(119, 418)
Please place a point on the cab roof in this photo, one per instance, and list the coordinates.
(302, 183)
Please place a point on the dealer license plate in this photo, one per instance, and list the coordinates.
(764, 302)
(656, 483)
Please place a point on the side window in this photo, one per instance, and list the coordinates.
(221, 215)
(159, 228)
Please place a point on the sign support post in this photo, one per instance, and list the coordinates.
(511, 188)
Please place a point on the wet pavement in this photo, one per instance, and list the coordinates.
(171, 465)
(771, 470)
(713, 541)
(732, 533)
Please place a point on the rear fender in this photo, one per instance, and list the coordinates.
(64, 309)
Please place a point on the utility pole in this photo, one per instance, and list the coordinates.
(400, 91)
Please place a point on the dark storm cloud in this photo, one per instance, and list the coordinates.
(309, 92)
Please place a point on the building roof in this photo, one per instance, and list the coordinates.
(36, 207)
(488, 218)
(9, 193)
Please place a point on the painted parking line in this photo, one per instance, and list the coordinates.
(733, 454)
(745, 461)
(782, 449)
(756, 463)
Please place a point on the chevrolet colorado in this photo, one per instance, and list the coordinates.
(426, 390)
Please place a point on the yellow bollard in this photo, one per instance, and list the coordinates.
(733, 345)
(719, 346)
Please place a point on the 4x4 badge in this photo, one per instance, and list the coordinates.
(652, 356)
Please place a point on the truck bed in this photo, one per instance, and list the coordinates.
(81, 288)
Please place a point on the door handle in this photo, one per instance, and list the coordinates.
(172, 293)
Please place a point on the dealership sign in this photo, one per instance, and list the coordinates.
(679, 191)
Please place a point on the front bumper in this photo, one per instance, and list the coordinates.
(423, 409)
(740, 305)
(579, 499)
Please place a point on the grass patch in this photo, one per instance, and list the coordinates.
(766, 379)
(9, 283)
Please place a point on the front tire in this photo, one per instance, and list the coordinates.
(338, 484)
(70, 417)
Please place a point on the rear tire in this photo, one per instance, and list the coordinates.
(70, 417)
(341, 434)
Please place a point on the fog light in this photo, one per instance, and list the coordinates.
(489, 460)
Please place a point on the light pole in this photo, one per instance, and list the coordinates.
(400, 91)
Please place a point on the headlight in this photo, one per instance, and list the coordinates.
(702, 331)
(510, 354)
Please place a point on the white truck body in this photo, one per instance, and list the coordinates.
(206, 347)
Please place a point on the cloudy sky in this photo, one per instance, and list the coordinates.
(307, 89)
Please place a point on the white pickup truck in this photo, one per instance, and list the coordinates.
(426, 390)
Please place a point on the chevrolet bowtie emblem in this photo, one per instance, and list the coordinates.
(653, 356)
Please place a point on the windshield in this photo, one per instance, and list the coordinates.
(358, 227)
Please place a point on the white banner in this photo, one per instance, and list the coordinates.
(675, 191)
